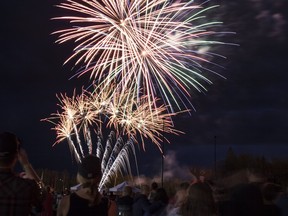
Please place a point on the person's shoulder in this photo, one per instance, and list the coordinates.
(67, 197)
(65, 200)
(64, 205)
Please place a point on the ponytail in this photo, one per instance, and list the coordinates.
(93, 192)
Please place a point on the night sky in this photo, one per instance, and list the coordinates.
(247, 110)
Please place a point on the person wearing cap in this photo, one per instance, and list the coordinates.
(87, 200)
(18, 196)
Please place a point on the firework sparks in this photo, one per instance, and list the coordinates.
(119, 163)
(143, 57)
(128, 117)
(114, 155)
(142, 44)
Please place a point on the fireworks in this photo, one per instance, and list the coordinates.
(156, 46)
(82, 117)
(143, 58)
(117, 158)
(119, 112)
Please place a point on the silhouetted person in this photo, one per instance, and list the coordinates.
(18, 196)
(199, 202)
(270, 193)
(244, 195)
(160, 202)
(141, 203)
(282, 202)
(180, 196)
(125, 203)
(87, 201)
(246, 200)
(154, 187)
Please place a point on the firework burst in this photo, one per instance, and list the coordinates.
(143, 57)
(108, 109)
(156, 46)
(82, 117)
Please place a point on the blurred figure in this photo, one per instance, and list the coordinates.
(87, 200)
(57, 199)
(181, 193)
(199, 202)
(246, 198)
(48, 203)
(141, 203)
(154, 187)
(160, 202)
(18, 196)
(282, 202)
(271, 193)
(125, 203)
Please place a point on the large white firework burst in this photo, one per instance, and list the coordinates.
(156, 46)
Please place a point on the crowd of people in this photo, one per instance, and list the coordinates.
(26, 195)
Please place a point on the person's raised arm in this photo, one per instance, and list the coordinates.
(27, 167)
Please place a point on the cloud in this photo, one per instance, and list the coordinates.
(172, 168)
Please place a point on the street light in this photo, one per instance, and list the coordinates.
(162, 158)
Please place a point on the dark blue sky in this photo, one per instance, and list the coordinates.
(249, 108)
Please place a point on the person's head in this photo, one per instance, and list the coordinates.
(145, 190)
(198, 191)
(48, 189)
(154, 186)
(271, 191)
(89, 175)
(89, 170)
(127, 191)
(9, 145)
(199, 201)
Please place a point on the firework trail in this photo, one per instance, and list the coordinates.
(155, 47)
(114, 156)
(121, 164)
(80, 114)
(144, 57)
(108, 148)
(128, 117)
(99, 148)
